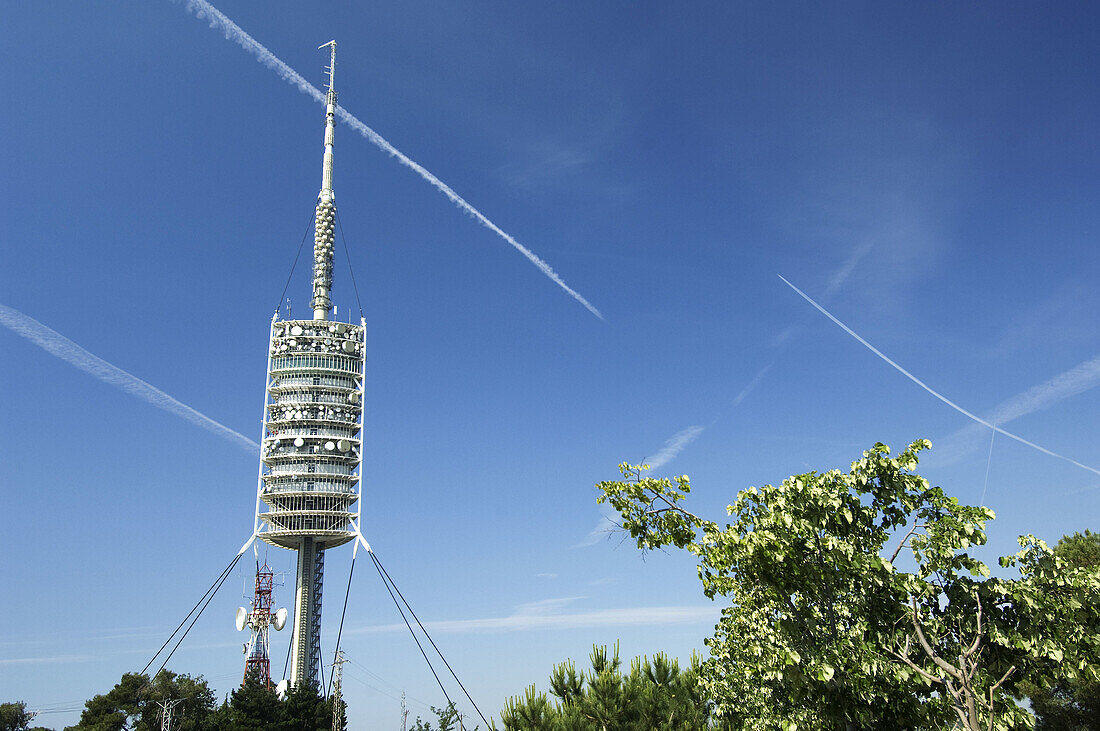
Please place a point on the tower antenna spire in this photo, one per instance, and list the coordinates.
(324, 235)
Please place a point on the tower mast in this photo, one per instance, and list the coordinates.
(325, 226)
(310, 463)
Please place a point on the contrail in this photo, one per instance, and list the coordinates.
(1078, 379)
(233, 32)
(929, 389)
(682, 439)
(57, 344)
(673, 446)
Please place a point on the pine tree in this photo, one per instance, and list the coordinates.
(255, 707)
(306, 710)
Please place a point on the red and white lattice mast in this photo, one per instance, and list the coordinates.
(257, 651)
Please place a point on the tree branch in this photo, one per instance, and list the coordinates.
(940, 662)
(979, 634)
(901, 545)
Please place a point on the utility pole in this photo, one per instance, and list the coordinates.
(337, 696)
(167, 709)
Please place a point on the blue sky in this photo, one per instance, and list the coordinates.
(926, 172)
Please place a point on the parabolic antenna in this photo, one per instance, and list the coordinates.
(242, 617)
(280, 689)
(280, 619)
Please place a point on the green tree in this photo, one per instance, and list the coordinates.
(132, 704)
(1070, 705)
(825, 632)
(15, 716)
(254, 707)
(306, 710)
(448, 718)
(654, 695)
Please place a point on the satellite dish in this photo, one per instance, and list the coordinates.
(280, 619)
(299, 442)
(242, 617)
(281, 688)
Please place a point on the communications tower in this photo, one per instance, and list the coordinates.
(259, 620)
(310, 454)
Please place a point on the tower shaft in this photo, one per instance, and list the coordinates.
(306, 640)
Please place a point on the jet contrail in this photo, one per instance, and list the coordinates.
(233, 32)
(929, 389)
(673, 446)
(57, 344)
(1078, 379)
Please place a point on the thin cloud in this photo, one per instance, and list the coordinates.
(58, 345)
(233, 32)
(544, 607)
(520, 622)
(930, 390)
(46, 660)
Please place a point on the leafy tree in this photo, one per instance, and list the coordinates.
(448, 717)
(254, 707)
(824, 632)
(132, 704)
(653, 695)
(15, 716)
(1070, 705)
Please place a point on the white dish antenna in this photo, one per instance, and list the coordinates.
(280, 619)
(242, 617)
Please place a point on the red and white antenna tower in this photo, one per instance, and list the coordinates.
(257, 651)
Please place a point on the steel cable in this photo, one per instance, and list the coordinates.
(347, 256)
(340, 632)
(434, 646)
(221, 577)
(296, 258)
(378, 567)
